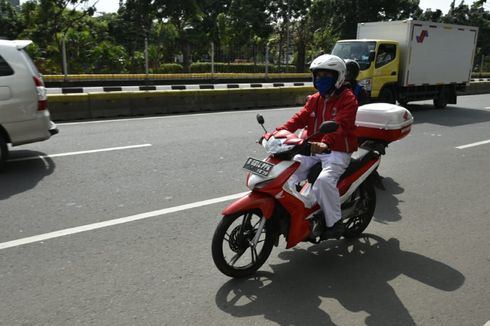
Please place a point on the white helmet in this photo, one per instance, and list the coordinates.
(330, 62)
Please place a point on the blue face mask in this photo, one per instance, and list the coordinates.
(324, 85)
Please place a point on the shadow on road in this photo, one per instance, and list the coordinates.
(21, 176)
(386, 202)
(450, 117)
(356, 274)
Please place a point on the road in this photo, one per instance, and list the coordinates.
(424, 259)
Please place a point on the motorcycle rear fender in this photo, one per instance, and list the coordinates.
(254, 200)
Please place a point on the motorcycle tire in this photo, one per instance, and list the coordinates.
(367, 200)
(232, 238)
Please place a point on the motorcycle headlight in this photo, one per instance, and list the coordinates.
(276, 146)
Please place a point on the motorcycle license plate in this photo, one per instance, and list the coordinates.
(258, 167)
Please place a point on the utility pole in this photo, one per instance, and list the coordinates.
(267, 60)
(212, 60)
(63, 54)
(146, 57)
(287, 34)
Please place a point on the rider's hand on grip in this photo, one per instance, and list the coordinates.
(318, 148)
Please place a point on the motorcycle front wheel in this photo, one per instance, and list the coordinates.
(239, 247)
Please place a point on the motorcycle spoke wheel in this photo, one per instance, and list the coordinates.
(233, 249)
(364, 211)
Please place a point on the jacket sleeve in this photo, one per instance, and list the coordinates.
(345, 118)
(300, 118)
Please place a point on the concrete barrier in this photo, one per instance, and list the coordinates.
(143, 103)
(65, 107)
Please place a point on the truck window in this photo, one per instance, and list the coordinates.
(386, 54)
(358, 51)
(5, 69)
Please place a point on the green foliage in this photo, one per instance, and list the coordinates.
(170, 68)
(10, 22)
(343, 16)
(108, 57)
(293, 31)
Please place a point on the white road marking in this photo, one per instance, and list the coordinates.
(474, 144)
(77, 153)
(122, 220)
(174, 116)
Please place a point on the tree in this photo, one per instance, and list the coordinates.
(343, 16)
(9, 20)
(244, 29)
(185, 15)
(52, 19)
(291, 21)
(163, 42)
(429, 15)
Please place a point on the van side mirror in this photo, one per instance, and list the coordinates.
(328, 127)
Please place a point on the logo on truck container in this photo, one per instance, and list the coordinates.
(422, 36)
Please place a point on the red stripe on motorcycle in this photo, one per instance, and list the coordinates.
(344, 184)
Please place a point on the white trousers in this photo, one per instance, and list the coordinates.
(325, 187)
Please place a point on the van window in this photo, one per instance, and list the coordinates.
(5, 69)
(386, 54)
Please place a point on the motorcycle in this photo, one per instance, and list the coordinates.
(252, 225)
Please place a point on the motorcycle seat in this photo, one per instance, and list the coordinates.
(358, 159)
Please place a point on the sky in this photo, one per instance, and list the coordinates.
(443, 5)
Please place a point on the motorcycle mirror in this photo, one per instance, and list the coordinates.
(260, 119)
(328, 126)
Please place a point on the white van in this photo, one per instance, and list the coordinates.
(24, 115)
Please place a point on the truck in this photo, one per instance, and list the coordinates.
(412, 60)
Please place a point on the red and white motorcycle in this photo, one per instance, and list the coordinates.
(252, 225)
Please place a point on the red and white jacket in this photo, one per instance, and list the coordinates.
(340, 107)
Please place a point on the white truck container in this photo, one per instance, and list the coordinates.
(412, 60)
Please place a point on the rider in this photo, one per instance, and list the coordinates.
(333, 101)
(352, 71)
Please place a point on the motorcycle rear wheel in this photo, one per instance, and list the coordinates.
(232, 244)
(364, 212)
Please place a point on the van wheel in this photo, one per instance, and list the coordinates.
(440, 102)
(4, 152)
(387, 96)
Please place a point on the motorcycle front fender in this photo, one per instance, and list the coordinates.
(253, 200)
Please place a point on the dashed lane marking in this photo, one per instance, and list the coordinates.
(122, 220)
(77, 153)
(474, 144)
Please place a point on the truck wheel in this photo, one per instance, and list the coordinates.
(387, 96)
(440, 102)
(4, 152)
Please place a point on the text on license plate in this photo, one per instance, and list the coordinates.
(258, 167)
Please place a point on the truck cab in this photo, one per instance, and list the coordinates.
(379, 62)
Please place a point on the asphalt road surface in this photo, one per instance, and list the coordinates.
(110, 223)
